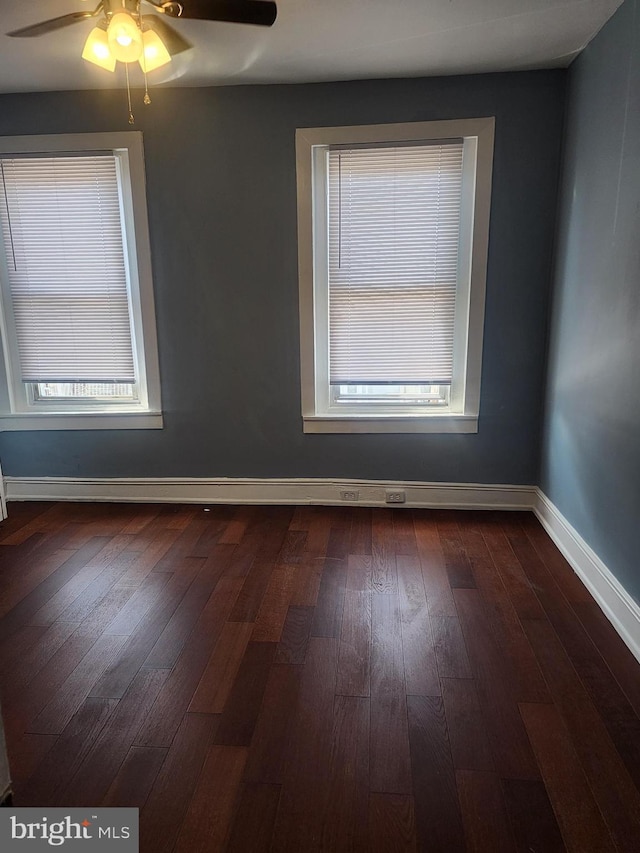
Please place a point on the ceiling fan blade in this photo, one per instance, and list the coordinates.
(52, 24)
(171, 38)
(259, 12)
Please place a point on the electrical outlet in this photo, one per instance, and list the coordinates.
(394, 497)
(349, 495)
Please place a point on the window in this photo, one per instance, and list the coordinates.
(393, 227)
(78, 322)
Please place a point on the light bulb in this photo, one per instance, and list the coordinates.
(124, 37)
(96, 50)
(154, 54)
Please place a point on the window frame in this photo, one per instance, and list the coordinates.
(20, 409)
(319, 416)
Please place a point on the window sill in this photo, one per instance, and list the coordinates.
(390, 423)
(81, 421)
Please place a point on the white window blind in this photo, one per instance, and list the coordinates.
(64, 248)
(394, 223)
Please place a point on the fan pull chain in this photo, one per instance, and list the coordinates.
(147, 97)
(132, 119)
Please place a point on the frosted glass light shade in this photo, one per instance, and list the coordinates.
(154, 53)
(96, 50)
(124, 37)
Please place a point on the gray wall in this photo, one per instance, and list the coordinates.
(222, 205)
(591, 452)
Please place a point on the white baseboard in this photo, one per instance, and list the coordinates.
(281, 491)
(618, 606)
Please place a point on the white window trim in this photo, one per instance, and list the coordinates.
(18, 411)
(462, 415)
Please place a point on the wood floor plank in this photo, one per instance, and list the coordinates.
(275, 725)
(529, 684)
(136, 776)
(20, 711)
(255, 818)
(211, 810)
(240, 714)
(450, 647)
(354, 655)
(98, 770)
(293, 547)
(272, 614)
(19, 644)
(360, 542)
(509, 568)
(339, 542)
(21, 672)
(317, 525)
(69, 751)
(86, 602)
(175, 696)
(418, 648)
(568, 581)
(235, 528)
(217, 681)
(434, 572)
(533, 822)
(327, 620)
(113, 559)
(345, 821)
(168, 800)
(496, 692)
(24, 755)
(391, 824)
(148, 558)
(306, 581)
(16, 587)
(305, 783)
(119, 676)
(387, 662)
(358, 573)
(171, 641)
(74, 690)
(617, 656)
(183, 546)
(455, 558)
(581, 823)
(383, 558)
(610, 782)
(390, 770)
(252, 592)
(39, 596)
(470, 747)
(296, 632)
(140, 603)
(404, 534)
(390, 763)
(604, 690)
(483, 812)
(438, 818)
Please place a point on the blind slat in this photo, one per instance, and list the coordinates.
(63, 239)
(394, 223)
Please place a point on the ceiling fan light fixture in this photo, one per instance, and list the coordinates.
(97, 51)
(124, 37)
(154, 52)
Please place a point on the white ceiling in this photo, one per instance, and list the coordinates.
(315, 40)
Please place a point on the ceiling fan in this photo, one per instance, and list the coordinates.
(122, 33)
(260, 12)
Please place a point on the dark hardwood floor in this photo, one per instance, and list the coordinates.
(305, 679)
